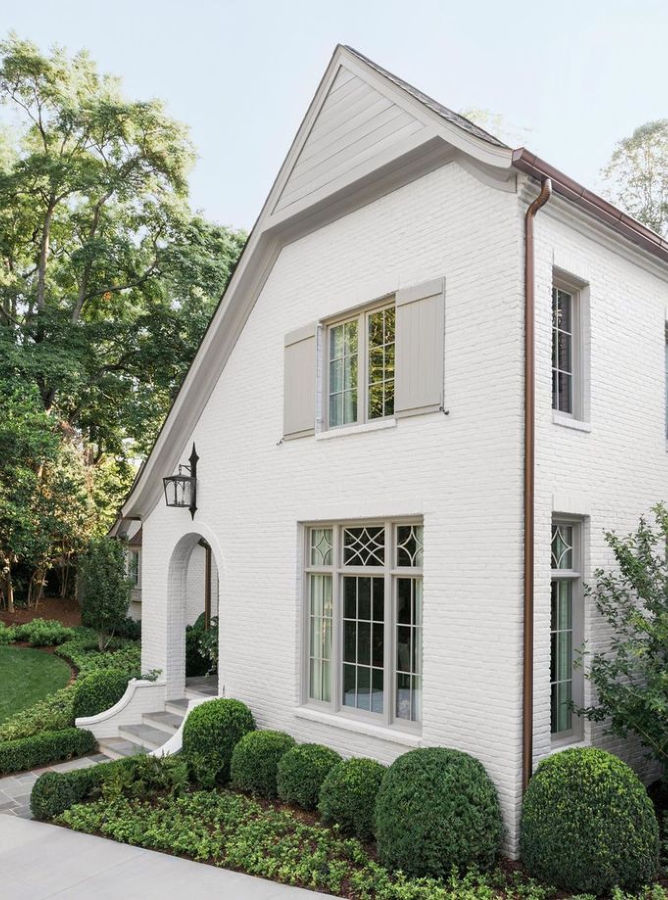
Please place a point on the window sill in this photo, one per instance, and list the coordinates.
(575, 741)
(380, 425)
(568, 422)
(384, 734)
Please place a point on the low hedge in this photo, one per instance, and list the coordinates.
(210, 734)
(255, 760)
(302, 771)
(45, 748)
(43, 632)
(99, 691)
(348, 796)
(588, 824)
(54, 792)
(437, 811)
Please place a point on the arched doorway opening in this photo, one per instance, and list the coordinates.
(192, 611)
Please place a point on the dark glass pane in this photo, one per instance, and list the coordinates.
(389, 325)
(364, 643)
(350, 641)
(555, 318)
(403, 598)
(564, 352)
(565, 392)
(553, 657)
(364, 546)
(378, 599)
(388, 409)
(564, 311)
(364, 598)
(553, 606)
(348, 685)
(555, 390)
(378, 646)
(350, 598)
(377, 690)
(376, 364)
(363, 688)
(376, 401)
(404, 649)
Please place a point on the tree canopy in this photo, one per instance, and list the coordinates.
(107, 278)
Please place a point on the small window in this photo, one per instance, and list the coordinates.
(364, 620)
(360, 367)
(564, 341)
(566, 613)
(132, 567)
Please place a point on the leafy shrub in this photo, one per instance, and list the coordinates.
(83, 653)
(42, 749)
(255, 761)
(105, 587)
(302, 771)
(129, 628)
(99, 691)
(43, 633)
(437, 810)
(54, 792)
(210, 734)
(588, 823)
(6, 634)
(348, 796)
(53, 713)
(196, 662)
(208, 646)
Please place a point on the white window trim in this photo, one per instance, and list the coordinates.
(360, 314)
(578, 419)
(575, 734)
(387, 720)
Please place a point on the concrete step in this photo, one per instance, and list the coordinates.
(169, 722)
(144, 735)
(178, 707)
(117, 747)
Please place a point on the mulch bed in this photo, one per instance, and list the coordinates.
(67, 612)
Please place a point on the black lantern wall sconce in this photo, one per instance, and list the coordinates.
(181, 489)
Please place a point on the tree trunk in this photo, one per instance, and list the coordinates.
(9, 591)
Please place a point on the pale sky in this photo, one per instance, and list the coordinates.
(577, 75)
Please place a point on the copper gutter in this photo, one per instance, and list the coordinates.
(529, 467)
(591, 203)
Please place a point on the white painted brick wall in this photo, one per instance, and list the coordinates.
(462, 472)
(614, 474)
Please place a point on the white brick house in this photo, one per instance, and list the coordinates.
(362, 392)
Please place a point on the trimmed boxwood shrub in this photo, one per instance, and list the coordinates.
(255, 761)
(588, 823)
(99, 691)
(45, 748)
(301, 773)
(436, 810)
(210, 734)
(43, 632)
(348, 796)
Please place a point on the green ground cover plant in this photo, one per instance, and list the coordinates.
(27, 676)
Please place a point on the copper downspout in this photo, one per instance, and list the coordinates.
(529, 466)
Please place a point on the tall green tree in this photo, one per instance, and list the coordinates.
(107, 279)
(636, 177)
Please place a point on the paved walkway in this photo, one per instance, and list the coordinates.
(40, 861)
(15, 789)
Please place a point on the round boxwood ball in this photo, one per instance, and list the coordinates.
(255, 761)
(348, 796)
(588, 824)
(301, 773)
(210, 734)
(437, 809)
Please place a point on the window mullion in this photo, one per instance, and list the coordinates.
(362, 362)
(337, 624)
(388, 632)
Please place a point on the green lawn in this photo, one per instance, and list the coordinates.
(28, 675)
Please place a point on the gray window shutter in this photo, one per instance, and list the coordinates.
(299, 380)
(419, 348)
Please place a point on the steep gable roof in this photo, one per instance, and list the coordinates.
(365, 133)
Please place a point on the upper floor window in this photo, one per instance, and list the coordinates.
(360, 384)
(132, 567)
(363, 641)
(563, 350)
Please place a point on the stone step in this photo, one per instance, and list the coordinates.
(118, 747)
(169, 722)
(144, 735)
(178, 706)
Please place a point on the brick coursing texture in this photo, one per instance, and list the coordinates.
(461, 472)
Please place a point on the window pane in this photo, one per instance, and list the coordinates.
(561, 654)
(562, 546)
(381, 363)
(343, 373)
(321, 546)
(363, 641)
(409, 545)
(562, 351)
(364, 546)
(408, 637)
(320, 639)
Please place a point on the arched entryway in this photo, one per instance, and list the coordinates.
(192, 597)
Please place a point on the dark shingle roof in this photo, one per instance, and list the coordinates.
(443, 111)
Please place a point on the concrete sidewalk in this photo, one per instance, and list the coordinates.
(39, 861)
